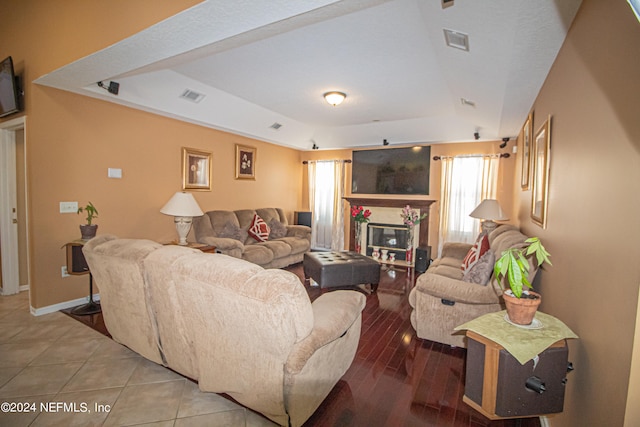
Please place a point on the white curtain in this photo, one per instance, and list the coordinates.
(466, 181)
(326, 190)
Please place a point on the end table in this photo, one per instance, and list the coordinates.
(77, 266)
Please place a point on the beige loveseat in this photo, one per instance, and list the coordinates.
(228, 232)
(441, 300)
(231, 325)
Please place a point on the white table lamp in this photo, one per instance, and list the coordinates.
(183, 207)
(489, 210)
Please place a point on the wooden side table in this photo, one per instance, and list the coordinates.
(77, 266)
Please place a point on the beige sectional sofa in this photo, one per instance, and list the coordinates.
(228, 232)
(441, 300)
(231, 325)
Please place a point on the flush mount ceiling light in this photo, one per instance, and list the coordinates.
(334, 98)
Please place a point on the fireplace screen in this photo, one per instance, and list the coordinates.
(392, 237)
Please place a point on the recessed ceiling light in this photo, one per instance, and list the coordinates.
(456, 39)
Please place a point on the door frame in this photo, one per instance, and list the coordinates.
(8, 206)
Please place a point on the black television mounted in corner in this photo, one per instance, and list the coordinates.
(9, 90)
(391, 171)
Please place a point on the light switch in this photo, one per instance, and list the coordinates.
(68, 207)
(114, 173)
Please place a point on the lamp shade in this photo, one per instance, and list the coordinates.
(182, 204)
(489, 209)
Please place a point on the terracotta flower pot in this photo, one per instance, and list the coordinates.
(88, 231)
(521, 311)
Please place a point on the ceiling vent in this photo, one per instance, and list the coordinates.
(192, 96)
(276, 126)
(457, 40)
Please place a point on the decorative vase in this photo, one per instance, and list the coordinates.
(88, 232)
(521, 311)
(358, 231)
(409, 253)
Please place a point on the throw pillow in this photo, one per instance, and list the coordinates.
(278, 229)
(232, 231)
(259, 229)
(481, 270)
(477, 250)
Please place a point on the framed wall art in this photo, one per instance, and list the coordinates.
(541, 161)
(196, 169)
(525, 137)
(246, 162)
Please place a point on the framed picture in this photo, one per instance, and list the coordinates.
(245, 162)
(541, 157)
(525, 137)
(196, 169)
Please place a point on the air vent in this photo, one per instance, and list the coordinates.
(192, 96)
(456, 39)
(276, 126)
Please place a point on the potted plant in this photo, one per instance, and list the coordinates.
(513, 265)
(89, 230)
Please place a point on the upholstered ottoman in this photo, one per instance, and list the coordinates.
(341, 269)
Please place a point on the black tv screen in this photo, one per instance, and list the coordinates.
(9, 102)
(391, 171)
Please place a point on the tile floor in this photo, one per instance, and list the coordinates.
(55, 371)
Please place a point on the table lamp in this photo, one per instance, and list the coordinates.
(183, 207)
(489, 210)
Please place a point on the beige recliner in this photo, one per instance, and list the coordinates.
(235, 327)
(441, 300)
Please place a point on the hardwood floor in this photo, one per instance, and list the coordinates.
(396, 378)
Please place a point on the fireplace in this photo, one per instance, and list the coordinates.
(423, 205)
(392, 237)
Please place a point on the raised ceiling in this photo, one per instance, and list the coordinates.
(259, 63)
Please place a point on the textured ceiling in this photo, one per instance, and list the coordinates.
(258, 63)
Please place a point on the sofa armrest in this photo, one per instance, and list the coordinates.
(222, 244)
(334, 313)
(456, 290)
(300, 231)
(455, 250)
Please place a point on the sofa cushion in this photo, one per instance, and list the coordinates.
(481, 271)
(259, 229)
(257, 254)
(233, 231)
(279, 248)
(278, 229)
(297, 245)
(477, 250)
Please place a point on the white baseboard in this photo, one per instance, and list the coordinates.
(544, 422)
(61, 306)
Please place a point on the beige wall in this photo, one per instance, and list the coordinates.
(593, 228)
(72, 140)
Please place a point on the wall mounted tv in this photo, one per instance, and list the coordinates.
(9, 91)
(391, 171)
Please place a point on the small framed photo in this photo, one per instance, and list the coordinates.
(196, 169)
(246, 162)
(525, 136)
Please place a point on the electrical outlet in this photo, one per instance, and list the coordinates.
(68, 207)
(64, 271)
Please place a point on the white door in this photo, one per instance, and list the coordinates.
(8, 207)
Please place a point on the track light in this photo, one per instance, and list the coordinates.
(504, 142)
(385, 142)
(113, 87)
(315, 147)
(476, 135)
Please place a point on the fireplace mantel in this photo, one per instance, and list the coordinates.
(423, 205)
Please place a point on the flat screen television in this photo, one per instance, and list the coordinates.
(391, 171)
(9, 91)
